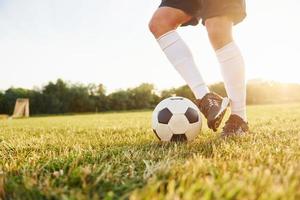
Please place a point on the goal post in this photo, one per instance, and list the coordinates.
(21, 108)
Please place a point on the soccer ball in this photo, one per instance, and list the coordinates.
(176, 119)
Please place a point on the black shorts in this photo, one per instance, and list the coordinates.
(204, 9)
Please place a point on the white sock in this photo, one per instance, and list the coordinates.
(182, 59)
(233, 71)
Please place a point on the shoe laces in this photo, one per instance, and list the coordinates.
(212, 101)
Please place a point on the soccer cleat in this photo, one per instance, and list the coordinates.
(235, 125)
(213, 108)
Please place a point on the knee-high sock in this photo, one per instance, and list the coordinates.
(233, 71)
(182, 59)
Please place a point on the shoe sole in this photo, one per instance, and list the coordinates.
(214, 124)
(228, 135)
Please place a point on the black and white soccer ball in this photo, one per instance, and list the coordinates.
(176, 119)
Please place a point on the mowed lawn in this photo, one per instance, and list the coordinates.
(116, 155)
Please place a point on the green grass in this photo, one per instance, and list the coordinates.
(116, 155)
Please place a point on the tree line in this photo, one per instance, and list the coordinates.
(61, 97)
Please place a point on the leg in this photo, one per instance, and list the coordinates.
(231, 61)
(166, 19)
(219, 31)
(163, 25)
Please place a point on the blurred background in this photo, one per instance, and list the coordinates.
(98, 49)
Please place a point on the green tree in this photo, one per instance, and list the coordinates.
(54, 96)
(77, 99)
(119, 100)
(142, 96)
(1, 101)
(62, 97)
(185, 91)
(98, 96)
(36, 102)
(167, 93)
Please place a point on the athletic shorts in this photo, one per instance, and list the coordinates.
(205, 9)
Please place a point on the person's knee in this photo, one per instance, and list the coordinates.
(159, 25)
(166, 19)
(219, 30)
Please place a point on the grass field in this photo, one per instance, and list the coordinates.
(116, 155)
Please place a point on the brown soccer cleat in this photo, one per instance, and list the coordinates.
(213, 108)
(235, 125)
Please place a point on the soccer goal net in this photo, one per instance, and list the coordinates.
(21, 108)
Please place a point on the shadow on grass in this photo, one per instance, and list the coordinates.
(110, 173)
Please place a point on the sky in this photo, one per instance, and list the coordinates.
(97, 41)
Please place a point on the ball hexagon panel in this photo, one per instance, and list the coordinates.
(164, 116)
(164, 132)
(163, 104)
(192, 115)
(178, 124)
(179, 138)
